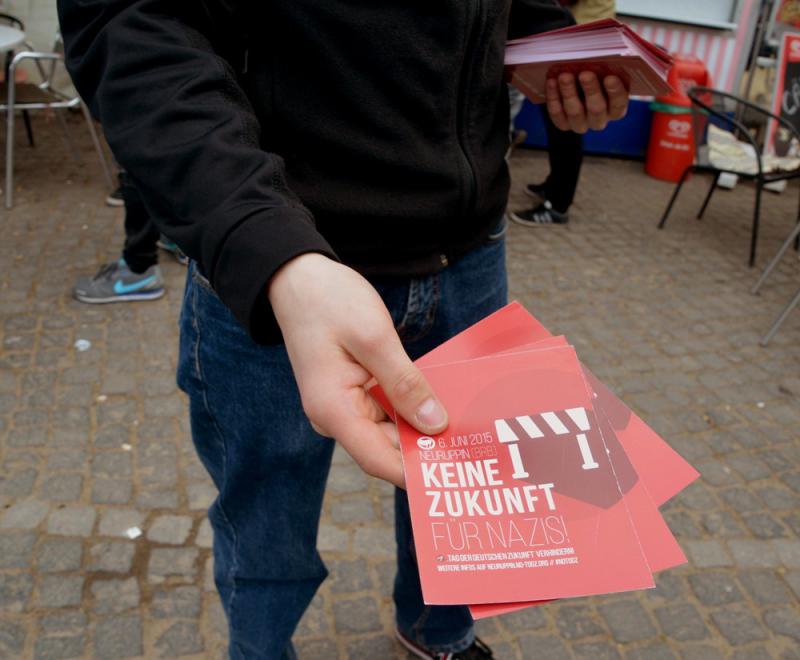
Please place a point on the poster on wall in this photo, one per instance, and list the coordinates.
(786, 99)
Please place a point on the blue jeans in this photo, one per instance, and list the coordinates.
(270, 466)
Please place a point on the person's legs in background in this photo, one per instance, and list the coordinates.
(557, 192)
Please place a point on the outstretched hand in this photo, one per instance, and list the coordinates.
(590, 108)
(339, 335)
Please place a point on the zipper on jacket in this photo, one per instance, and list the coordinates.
(474, 11)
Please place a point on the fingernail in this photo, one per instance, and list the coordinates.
(430, 413)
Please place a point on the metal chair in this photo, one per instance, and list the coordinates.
(13, 21)
(793, 237)
(735, 115)
(28, 96)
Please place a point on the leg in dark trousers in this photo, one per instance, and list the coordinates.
(141, 236)
(565, 150)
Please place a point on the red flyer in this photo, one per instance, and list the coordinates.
(661, 468)
(517, 500)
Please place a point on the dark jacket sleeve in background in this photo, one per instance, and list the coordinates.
(529, 17)
(162, 83)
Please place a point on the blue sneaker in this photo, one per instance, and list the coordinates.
(115, 282)
(165, 244)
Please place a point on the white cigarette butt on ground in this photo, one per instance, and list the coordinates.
(761, 404)
(83, 345)
(126, 447)
(101, 398)
(133, 532)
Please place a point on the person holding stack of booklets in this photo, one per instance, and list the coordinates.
(336, 173)
(556, 193)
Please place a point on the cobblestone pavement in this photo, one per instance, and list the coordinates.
(95, 442)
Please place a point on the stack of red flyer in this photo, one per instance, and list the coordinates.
(605, 47)
(544, 485)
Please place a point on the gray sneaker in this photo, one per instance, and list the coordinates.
(115, 282)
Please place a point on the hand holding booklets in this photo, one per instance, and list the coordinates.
(606, 47)
(544, 486)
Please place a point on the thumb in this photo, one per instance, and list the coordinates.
(404, 384)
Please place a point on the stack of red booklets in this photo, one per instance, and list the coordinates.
(543, 486)
(605, 47)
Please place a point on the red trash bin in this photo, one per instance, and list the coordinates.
(671, 147)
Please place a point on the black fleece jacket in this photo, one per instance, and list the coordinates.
(257, 131)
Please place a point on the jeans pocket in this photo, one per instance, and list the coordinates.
(420, 316)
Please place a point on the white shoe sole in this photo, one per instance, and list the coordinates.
(411, 647)
(133, 297)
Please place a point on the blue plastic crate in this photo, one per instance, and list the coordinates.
(626, 138)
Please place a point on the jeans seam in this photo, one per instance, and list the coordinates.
(413, 303)
(204, 393)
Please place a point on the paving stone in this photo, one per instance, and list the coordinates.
(18, 484)
(356, 615)
(200, 496)
(627, 621)
(180, 602)
(317, 648)
(115, 596)
(380, 646)
(16, 549)
(111, 557)
(788, 553)
(683, 525)
(181, 638)
(654, 651)
(116, 522)
(374, 541)
(55, 648)
(532, 618)
(118, 637)
(14, 591)
(349, 576)
(60, 590)
(700, 652)
(62, 487)
(205, 535)
(577, 622)
(596, 651)
(68, 622)
(715, 588)
(779, 499)
(534, 647)
(170, 529)
(71, 521)
(24, 515)
(111, 491)
(738, 625)
(112, 465)
(59, 555)
(785, 622)
(707, 554)
(157, 499)
(681, 622)
(764, 526)
(765, 587)
(355, 509)
(12, 639)
(180, 562)
(332, 538)
(793, 579)
(753, 554)
(347, 479)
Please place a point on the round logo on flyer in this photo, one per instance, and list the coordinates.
(426, 443)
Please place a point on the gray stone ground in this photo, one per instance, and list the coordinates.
(93, 443)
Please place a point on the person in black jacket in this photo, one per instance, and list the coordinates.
(336, 172)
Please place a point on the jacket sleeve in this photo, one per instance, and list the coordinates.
(529, 17)
(161, 77)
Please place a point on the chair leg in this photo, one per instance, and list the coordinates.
(97, 146)
(9, 157)
(776, 260)
(756, 221)
(711, 190)
(779, 321)
(26, 117)
(674, 196)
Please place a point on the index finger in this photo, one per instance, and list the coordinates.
(370, 446)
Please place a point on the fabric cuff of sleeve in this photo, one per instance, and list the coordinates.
(251, 255)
